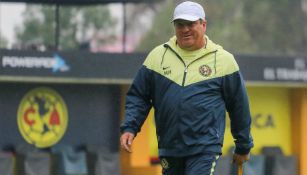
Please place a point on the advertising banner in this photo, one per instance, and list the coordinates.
(68, 67)
(271, 119)
(120, 68)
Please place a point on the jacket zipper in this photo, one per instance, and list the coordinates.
(179, 57)
(185, 74)
(186, 66)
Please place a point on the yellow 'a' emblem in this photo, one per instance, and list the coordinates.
(42, 117)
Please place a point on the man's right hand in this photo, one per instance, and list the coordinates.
(126, 140)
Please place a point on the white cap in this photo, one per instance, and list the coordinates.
(190, 11)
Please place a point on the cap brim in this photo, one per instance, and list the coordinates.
(186, 17)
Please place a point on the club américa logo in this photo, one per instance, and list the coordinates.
(164, 163)
(42, 117)
(205, 70)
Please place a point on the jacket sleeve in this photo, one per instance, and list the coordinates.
(138, 102)
(236, 101)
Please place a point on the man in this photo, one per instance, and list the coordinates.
(190, 82)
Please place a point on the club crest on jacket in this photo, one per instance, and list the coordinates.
(164, 163)
(205, 70)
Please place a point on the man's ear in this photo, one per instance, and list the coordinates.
(204, 23)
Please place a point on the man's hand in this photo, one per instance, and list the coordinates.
(126, 140)
(240, 159)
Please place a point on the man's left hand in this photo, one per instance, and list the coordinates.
(240, 159)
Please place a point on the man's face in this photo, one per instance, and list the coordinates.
(190, 34)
